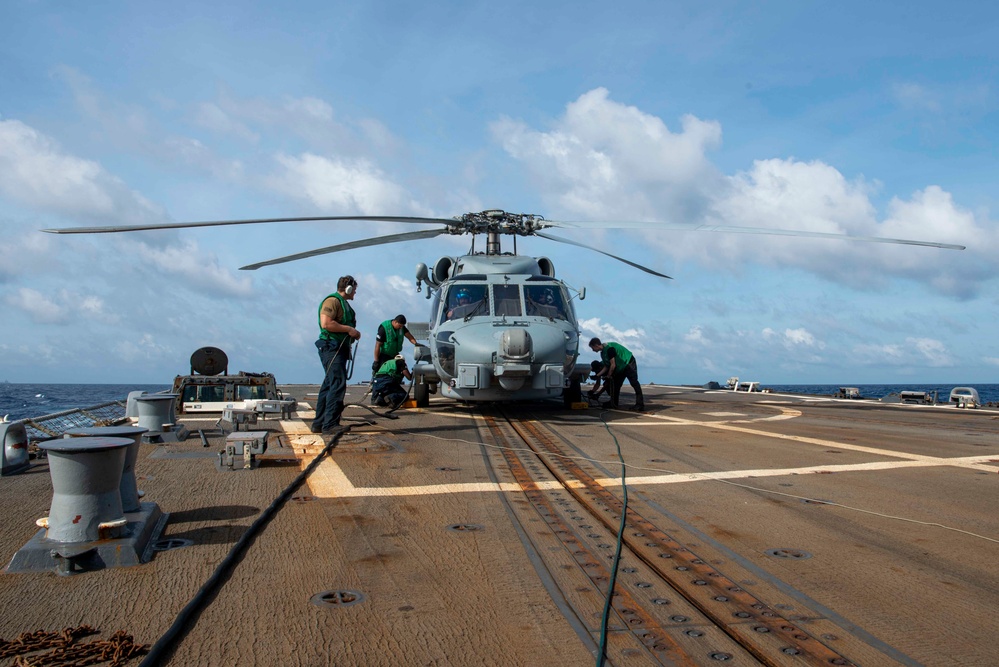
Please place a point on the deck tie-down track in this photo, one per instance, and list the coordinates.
(728, 624)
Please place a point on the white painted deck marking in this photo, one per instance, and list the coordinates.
(329, 480)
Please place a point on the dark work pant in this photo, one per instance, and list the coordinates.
(388, 389)
(329, 404)
(631, 373)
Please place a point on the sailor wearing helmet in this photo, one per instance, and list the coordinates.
(463, 304)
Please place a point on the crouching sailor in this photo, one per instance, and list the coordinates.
(387, 388)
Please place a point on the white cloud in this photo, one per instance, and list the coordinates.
(34, 171)
(37, 306)
(912, 351)
(339, 186)
(143, 350)
(198, 270)
(934, 352)
(605, 160)
(65, 308)
(800, 337)
(695, 336)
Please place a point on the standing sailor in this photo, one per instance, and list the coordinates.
(388, 340)
(619, 363)
(336, 333)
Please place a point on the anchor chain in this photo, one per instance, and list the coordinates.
(63, 651)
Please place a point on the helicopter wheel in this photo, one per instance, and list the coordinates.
(572, 394)
(421, 394)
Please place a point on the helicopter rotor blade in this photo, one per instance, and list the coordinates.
(363, 243)
(620, 259)
(221, 223)
(675, 226)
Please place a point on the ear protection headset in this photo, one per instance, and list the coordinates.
(349, 287)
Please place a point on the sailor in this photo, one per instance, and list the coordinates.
(619, 363)
(387, 388)
(388, 340)
(464, 306)
(336, 334)
(599, 381)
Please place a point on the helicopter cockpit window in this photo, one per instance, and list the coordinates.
(507, 299)
(466, 301)
(544, 301)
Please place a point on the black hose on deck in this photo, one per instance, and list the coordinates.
(164, 647)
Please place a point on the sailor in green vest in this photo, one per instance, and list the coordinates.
(619, 364)
(337, 330)
(387, 388)
(388, 340)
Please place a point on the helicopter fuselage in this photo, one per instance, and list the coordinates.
(501, 328)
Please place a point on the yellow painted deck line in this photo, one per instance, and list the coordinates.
(329, 480)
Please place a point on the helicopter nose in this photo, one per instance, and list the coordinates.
(514, 365)
(515, 344)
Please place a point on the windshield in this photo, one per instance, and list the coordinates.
(545, 301)
(465, 300)
(507, 300)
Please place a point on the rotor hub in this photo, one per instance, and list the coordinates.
(495, 221)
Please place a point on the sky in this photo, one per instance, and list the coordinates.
(850, 118)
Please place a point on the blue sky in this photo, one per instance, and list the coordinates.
(846, 118)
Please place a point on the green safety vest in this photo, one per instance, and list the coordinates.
(393, 339)
(348, 319)
(390, 368)
(623, 356)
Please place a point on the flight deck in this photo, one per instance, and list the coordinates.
(737, 528)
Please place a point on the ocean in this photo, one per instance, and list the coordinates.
(988, 393)
(22, 401)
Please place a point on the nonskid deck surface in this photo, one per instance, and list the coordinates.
(837, 532)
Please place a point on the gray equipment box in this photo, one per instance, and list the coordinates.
(241, 450)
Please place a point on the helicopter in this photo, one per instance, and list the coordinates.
(501, 327)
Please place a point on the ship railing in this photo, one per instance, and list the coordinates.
(50, 427)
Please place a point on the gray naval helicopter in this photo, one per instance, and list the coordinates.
(502, 327)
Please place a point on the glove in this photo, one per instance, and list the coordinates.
(375, 366)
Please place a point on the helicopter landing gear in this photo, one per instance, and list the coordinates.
(421, 394)
(572, 394)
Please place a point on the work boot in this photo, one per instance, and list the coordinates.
(637, 408)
